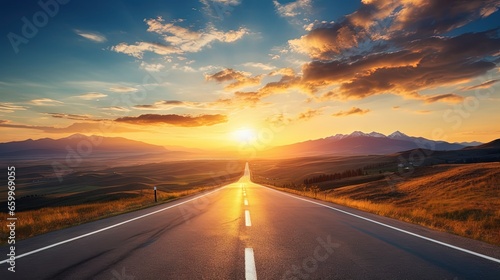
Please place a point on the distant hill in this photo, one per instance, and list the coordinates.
(360, 143)
(88, 145)
(495, 144)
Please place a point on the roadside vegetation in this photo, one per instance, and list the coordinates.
(458, 198)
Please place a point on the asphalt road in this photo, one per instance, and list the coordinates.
(247, 231)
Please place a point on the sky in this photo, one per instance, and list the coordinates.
(217, 73)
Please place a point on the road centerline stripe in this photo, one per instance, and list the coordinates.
(108, 227)
(248, 222)
(250, 270)
(246, 202)
(393, 227)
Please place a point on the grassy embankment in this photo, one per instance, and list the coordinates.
(460, 199)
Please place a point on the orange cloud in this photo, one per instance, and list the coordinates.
(450, 97)
(393, 47)
(484, 85)
(170, 104)
(309, 114)
(352, 111)
(238, 79)
(175, 120)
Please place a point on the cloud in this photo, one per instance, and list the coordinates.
(152, 67)
(116, 108)
(424, 64)
(484, 85)
(91, 96)
(92, 36)
(122, 89)
(238, 79)
(178, 39)
(423, 112)
(137, 50)
(413, 16)
(170, 104)
(450, 97)
(7, 107)
(175, 120)
(73, 117)
(278, 120)
(352, 111)
(292, 9)
(75, 128)
(309, 114)
(378, 22)
(289, 72)
(45, 102)
(259, 65)
(326, 42)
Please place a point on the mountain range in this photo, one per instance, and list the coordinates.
(356, 143)
(360, 143)
(87, 146)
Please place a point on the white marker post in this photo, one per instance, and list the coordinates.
(155, 194)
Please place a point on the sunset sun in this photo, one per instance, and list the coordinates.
(244, 135)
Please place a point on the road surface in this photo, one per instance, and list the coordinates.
(247, 231)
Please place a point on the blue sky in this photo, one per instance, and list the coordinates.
(175, 72)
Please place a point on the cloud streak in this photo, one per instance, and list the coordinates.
(91, 96)
(8, 107)
(175, 120)
(352, 111)
(45, 102)
(92, 36)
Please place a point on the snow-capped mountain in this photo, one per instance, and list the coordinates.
(398, 135)
(361, 143)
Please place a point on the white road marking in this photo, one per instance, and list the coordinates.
(395, 228)
(246, 202)
(250, 270)
(108, 227)
(248, 222)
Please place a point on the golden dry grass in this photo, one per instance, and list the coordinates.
(35, 222)
(461, 199)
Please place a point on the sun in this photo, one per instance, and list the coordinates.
(244, 135)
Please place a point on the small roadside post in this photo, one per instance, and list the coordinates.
(155, 194)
